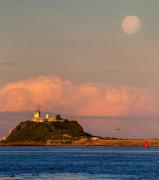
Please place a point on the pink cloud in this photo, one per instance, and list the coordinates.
(89, 99)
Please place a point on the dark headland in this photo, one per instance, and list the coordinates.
(62, 132)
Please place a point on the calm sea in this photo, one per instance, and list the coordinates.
(78, 163)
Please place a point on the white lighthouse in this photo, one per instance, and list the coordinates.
(37, 116)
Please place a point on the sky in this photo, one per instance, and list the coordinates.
(72, 57)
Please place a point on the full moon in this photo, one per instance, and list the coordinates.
(131, 24)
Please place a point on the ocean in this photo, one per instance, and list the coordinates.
(79, 163)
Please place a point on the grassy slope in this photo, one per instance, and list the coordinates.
(32, 131)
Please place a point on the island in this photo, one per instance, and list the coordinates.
(57, 131)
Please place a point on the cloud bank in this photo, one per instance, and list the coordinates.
(53, 94)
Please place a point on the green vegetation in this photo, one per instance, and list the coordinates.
(42, 131)
(63, 132)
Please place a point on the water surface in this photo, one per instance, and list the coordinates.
(69, 163)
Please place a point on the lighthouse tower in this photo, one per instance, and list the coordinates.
(37, 116)
(47, 116)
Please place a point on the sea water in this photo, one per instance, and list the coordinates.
(79, 163)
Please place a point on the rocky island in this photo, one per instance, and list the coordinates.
(56, 131)
(60, 132)
(47, 131)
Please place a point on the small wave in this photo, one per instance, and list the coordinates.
(66, 176)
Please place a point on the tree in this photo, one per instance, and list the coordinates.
(58, 117)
